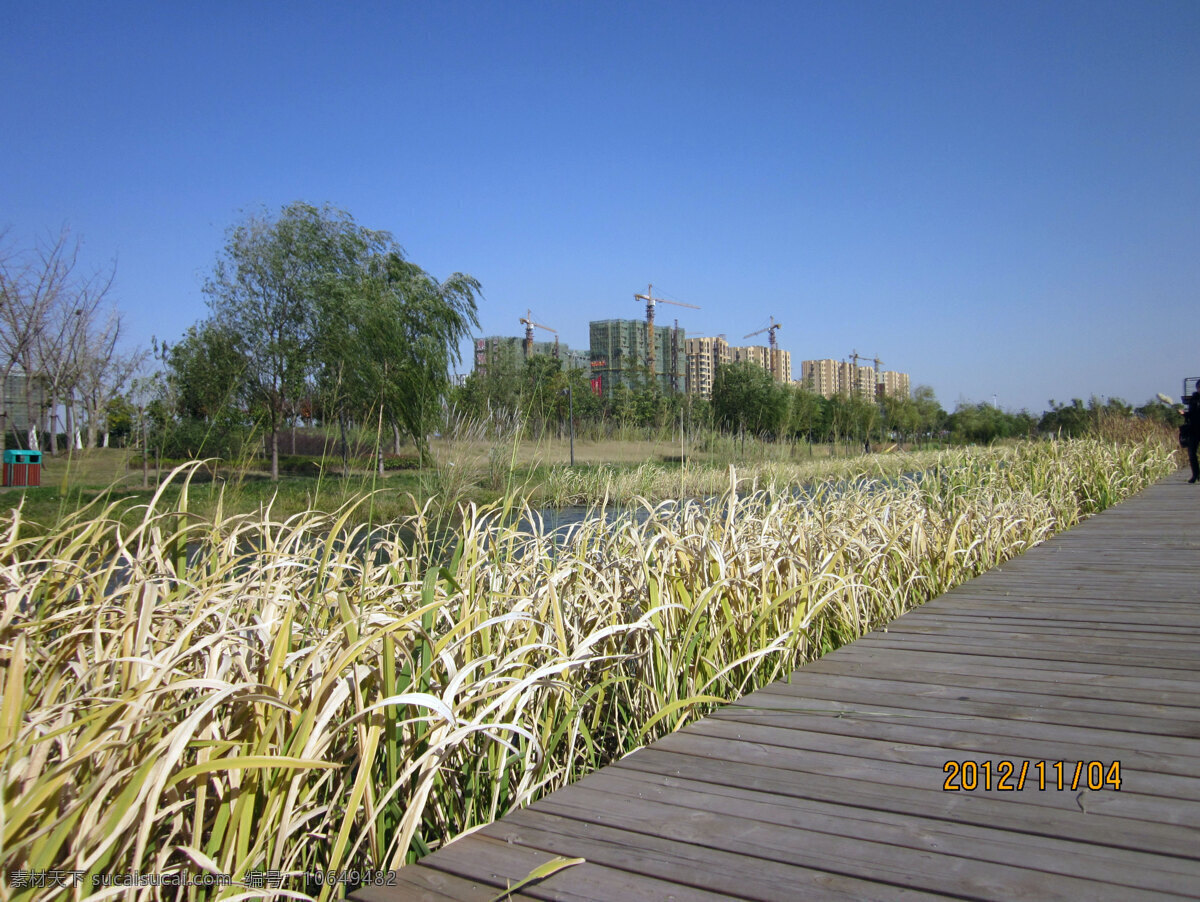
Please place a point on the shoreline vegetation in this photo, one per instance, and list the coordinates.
(463, 470)
(201, 687)
(488, 462)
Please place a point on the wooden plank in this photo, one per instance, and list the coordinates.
(1165, 629)
(502, 864)
(1060, 686)
(1170, 680)
(1000, 701)
(755, 839)
(1132, 615)
(954, 744)
(431, 885)
(1177, 645)
(819, 782)
(1141, 795)
(1113, 743)
(699, 867)
(1041, 651)
(936, 836)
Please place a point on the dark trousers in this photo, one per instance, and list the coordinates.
(1191, 448)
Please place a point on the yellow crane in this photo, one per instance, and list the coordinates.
(527, 321)
(651, 300)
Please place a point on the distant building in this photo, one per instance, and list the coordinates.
(619, 356)
(508, 352)
(893, 384)
(704, 355)
(829, 378)
(575, 359)
(777, 362)
(822, 376)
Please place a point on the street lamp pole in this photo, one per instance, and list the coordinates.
(571, 419)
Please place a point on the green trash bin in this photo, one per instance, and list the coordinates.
(22, 468)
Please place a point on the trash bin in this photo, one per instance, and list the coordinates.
(23, 468)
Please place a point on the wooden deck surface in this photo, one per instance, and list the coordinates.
(1085, 649)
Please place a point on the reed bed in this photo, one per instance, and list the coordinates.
(571, 486)
(242, 695)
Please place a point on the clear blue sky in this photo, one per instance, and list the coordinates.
(997, 198)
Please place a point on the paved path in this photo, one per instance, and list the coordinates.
(1085, 651)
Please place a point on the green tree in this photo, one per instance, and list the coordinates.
(319, 307)
(543, 404)
(1069, 420)
(389, 334)
(851, 419)
(119, 419)
(495, 389)
(587, 404)
(1158, 412)
(805, 414)
(983, 423)
(745, 398)
(204, 411)
(931, 418)
(266, 291)
(205, 371)
(901, 416)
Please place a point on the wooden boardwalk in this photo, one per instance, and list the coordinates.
(1085, 649)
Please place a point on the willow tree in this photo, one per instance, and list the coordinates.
(389, 339)
(317, 305)
(267, 292)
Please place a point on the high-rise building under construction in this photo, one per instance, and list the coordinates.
(503, 352)
(620, 356)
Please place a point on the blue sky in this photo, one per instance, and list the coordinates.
(1001, 199)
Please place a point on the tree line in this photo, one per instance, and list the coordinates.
(60, 337)
(315, 320)
(746, 400)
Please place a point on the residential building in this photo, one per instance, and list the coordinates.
(838, 377)
(893, 384)
(704, 355)
(821, 376)
(830, 377)
(775, 361)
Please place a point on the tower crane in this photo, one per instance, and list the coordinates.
(770, 341)
(651, 300)
(855, 356)
(528, 322)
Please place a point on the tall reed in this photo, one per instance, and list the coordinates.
(243, 694)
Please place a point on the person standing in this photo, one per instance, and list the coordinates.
(1191, 432)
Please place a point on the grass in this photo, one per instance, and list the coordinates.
(241, 692)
